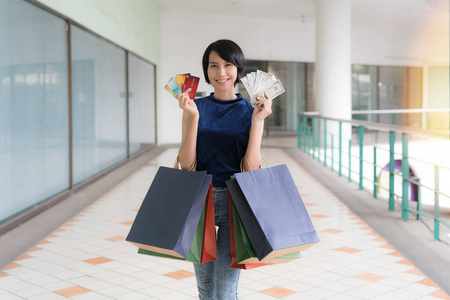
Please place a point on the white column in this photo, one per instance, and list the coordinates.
(333, 62)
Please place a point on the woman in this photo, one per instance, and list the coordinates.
(218, 132)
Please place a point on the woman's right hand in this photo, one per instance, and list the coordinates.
(187, 104)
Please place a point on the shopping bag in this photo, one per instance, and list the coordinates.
(203, 248)
(244, 251)
(234, 264)
(272, 212)
(168, 218)
(209, 234)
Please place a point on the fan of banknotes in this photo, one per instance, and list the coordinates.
(258, 83)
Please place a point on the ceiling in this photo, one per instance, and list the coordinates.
(363, 11)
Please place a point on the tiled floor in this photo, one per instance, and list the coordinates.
(88, 258)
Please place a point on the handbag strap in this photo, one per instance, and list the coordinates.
(177, 164)
(242, 163)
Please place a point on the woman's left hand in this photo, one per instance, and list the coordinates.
(264, 108)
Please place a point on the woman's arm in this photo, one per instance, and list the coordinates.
(252, 158)
(188, 150)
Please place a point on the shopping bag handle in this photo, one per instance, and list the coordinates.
(242, 163)
(177, 164)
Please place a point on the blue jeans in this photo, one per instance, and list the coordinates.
(216, 280)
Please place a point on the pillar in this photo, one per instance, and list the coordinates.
(333, 63)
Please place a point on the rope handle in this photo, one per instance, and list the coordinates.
(242, 163)
(177, 164)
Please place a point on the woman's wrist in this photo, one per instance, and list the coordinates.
(191, 116)
(257, 123)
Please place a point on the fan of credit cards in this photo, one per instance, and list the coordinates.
(259, 82)
(180, 83)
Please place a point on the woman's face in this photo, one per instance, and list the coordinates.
(222, 74)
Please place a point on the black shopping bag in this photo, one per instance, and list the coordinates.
(272, 212)
(169, 215)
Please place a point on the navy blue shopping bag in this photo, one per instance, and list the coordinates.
(272, 212)
(168, 218)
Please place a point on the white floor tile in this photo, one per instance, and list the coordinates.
(175, 296)
(57, 285)
(403, 294)
(155, 291)
(133, 296)
(114, 291)
(30, 292)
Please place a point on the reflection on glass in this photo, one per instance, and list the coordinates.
(387, 88)
(34, 130)
(364, 90)
(438, 98)
(141, 103)
(98, 104)
(400, 88)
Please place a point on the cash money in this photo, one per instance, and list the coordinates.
(273, 91)
(258, 83)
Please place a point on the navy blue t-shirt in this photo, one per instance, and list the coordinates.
(222, 139)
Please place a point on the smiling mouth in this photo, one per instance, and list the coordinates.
(222, 81)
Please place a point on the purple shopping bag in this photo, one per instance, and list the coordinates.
(272, 212)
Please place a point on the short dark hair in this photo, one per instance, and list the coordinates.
(228, 51)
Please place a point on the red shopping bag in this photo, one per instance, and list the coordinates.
(209, 232)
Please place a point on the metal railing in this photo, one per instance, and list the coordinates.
(313, 139)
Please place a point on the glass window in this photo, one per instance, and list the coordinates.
(141, 103)
(310, 87)
(414, 97)
(98, 104)
(381, 87)
(364, 90)
(391, 92)
(34, 134)
(438, 98)
(286, 106)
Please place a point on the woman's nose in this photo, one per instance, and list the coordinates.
(221, 70)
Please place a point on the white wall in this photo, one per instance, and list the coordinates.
(378, 40)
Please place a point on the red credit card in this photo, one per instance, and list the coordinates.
(192, 83)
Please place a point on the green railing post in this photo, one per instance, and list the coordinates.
(309, 140)
(349, 160)
(419, 200)
(405, 177)
(340, 148)
(332, 153)
(298, 132)
(374, 172)
(318, 143)
(361, 157)
(304, 133)
(391, 170)
(325, 142)
(314, 137)
(436, 202)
